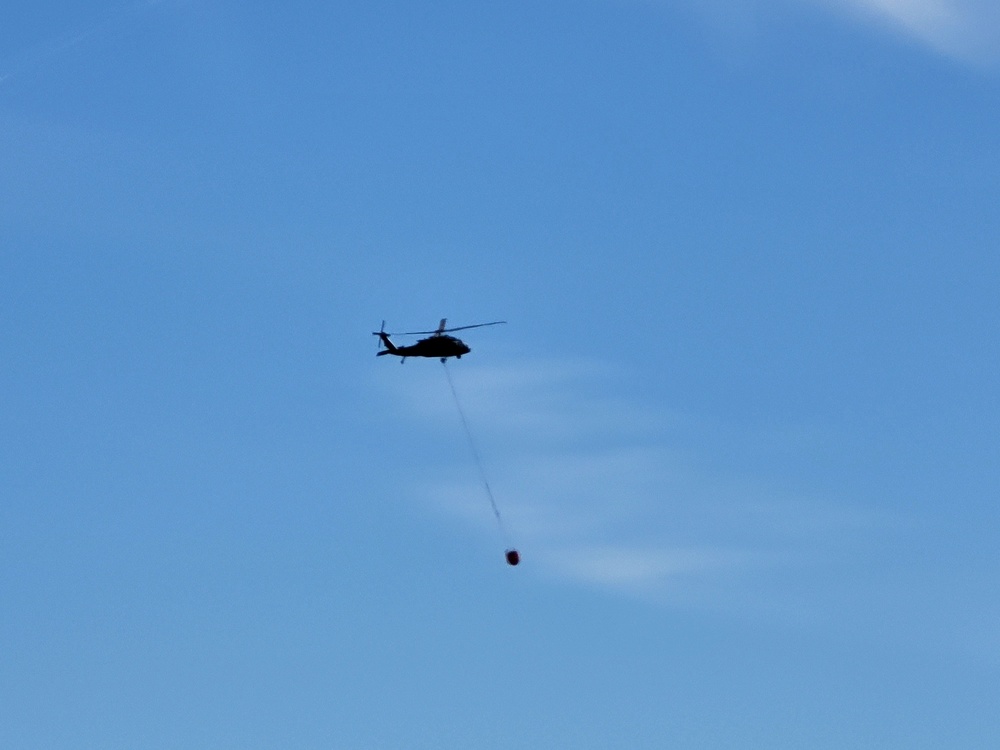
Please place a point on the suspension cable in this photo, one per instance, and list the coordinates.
(473, 448)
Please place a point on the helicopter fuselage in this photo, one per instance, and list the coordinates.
(441, 346)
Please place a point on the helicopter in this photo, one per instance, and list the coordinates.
(437, 344)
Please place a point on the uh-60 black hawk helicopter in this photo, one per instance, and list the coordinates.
(438, 344)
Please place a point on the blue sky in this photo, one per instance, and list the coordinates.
(742, 421)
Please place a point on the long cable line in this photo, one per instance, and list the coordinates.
(473, 448)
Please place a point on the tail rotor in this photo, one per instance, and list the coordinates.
(383, 341)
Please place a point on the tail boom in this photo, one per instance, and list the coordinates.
(390, 348)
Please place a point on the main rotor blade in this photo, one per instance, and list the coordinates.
(477, 325)
(458, 328)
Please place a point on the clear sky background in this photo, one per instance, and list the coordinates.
(742, 423)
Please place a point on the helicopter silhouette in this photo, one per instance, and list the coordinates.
(438, 344)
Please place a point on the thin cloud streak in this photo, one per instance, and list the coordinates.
(965, 30)
(609, 503)
(58, 46)
(642, 571)
(636, 512)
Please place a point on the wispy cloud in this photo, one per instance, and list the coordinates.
(603, 491)
(968, 29)
(64, 43)
(647, 572)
